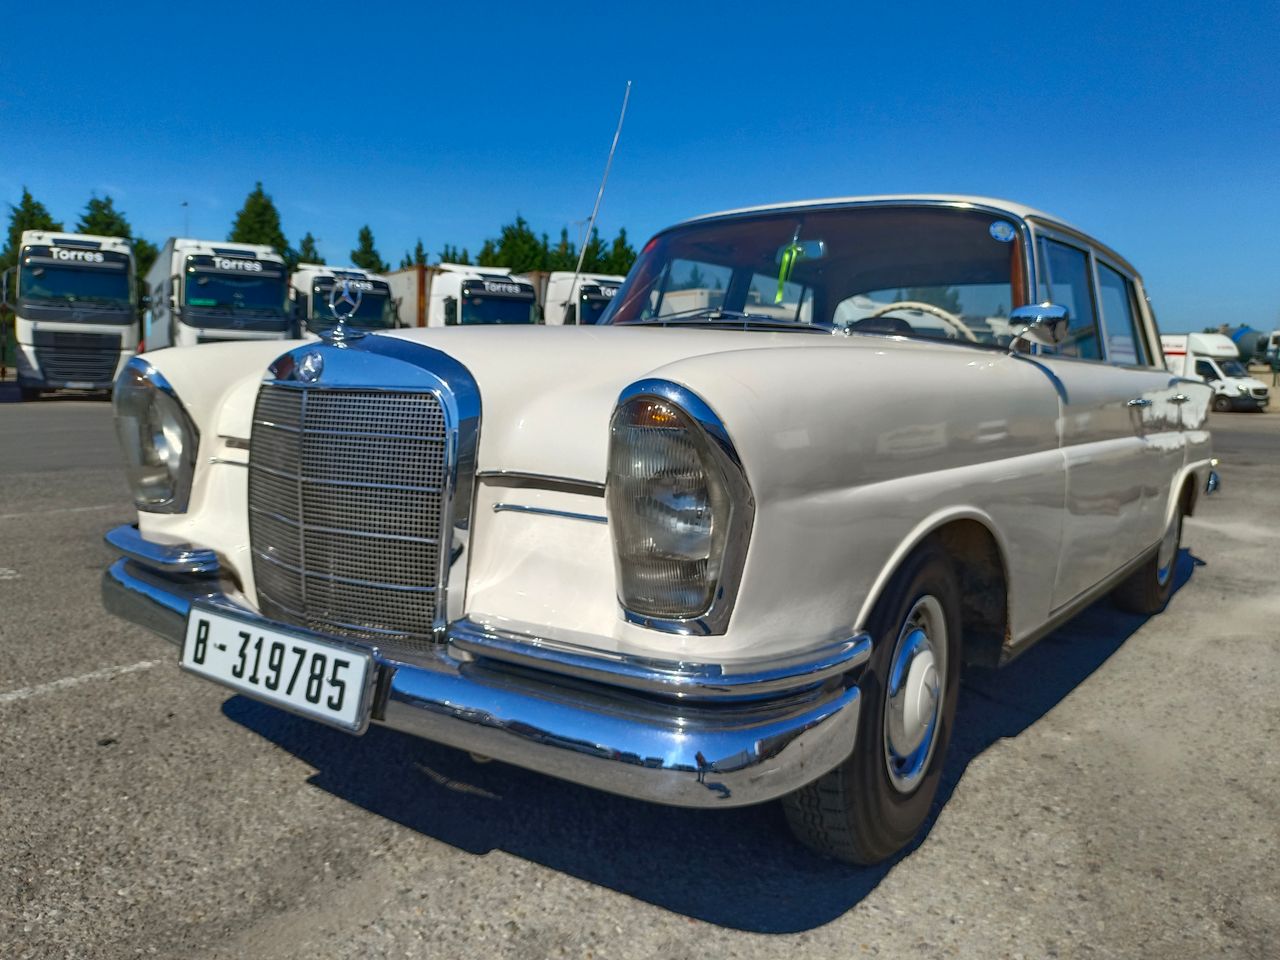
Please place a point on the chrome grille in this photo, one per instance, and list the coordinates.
(1260, 393)
(347, 508)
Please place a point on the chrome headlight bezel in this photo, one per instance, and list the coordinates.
(159, 440)
(726, 496)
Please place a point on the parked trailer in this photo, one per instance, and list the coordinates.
(568, 298)
(206, 291)
(1214, 358)
(312, 286)
(75, 310)
(450, 294)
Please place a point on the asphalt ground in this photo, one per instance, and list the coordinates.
(1114, 793)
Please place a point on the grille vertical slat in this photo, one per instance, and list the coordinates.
(348, 485)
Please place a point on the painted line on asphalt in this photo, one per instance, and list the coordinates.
(45, 513)
(106, 673)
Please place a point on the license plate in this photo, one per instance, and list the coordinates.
(325, 681)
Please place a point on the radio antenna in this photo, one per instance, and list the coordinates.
(591, 224)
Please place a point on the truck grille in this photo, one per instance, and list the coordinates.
(1259, 393)
(347, 496)
(67, 357)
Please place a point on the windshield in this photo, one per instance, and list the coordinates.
(593, 309)
(497, 310)
(935, 272)
(104, 283)
(1233, 368)
(376, 311)
(259, 294)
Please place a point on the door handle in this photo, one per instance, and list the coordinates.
(1179, 398)
(1139, 402)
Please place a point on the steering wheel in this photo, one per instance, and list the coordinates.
(944, 315)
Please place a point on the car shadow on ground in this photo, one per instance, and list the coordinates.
(737, 868)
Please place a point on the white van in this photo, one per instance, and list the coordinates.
(1215, 359)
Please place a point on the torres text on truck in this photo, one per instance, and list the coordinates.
(75, 310)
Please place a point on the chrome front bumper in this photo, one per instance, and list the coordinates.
(684, 734)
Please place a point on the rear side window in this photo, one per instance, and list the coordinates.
(1066, 282)
(1119, 318)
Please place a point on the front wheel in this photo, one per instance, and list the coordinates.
(1221, 403)
(28, 394)
(1148, 589)
(874, 804)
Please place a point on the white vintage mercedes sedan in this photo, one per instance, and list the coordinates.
(731, 545)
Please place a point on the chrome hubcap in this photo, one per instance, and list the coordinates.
(1168, 553)
(915, 694)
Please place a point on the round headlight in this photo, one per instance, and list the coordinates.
(680, 511)
(157, 437)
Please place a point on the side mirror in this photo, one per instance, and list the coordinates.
(4, 287)
(450, 311)
(1044, 323)
(174, 283)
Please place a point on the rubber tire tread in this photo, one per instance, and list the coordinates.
(1141, 592)
(836, 815)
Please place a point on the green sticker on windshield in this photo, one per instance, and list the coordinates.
(202, 302)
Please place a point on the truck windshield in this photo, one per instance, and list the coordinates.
(936, 272)
(92, 285)
(254, 294)
(1233, 368)
(497, 310)
(592, 309)
(376, 311)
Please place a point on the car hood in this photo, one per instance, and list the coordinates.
(547, 393)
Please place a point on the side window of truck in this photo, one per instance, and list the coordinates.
(1205, 370)
(1066, 282)
(1119, 317)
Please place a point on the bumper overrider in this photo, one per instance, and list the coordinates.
(690, 735)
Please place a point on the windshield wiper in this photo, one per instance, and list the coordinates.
(722, 318)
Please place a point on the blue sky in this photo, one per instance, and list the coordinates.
(1155, 126)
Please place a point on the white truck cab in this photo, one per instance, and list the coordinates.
(569, 298)
(1215, 359)
(207, 291)
(75, 310)
(456, 294)
(313, 284)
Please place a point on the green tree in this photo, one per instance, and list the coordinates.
(365, 255)
(621, 255)
(259, 222)
(28, 214)
(144, 257)
(307, 252)
(593, 257)
(564, 255)
(415, 258)
(101, 217)
(488, 255)
(451, 254)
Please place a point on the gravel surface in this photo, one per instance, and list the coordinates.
(1114, 793)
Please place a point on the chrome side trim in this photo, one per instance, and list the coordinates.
(542, 481)
(715, 619)
(681, 679)
(181, 558)
(675, 751)
(547, 512)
